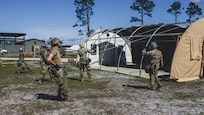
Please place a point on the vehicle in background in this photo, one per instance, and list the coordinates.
(69, 50)
(3, 51)
(66, 51)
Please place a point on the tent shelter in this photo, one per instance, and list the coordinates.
(108, 48)
(187, 61)
(123, 46)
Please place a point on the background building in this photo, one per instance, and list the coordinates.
(13, 41)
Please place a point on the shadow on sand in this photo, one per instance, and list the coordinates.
(72, 78)
(165, 78)
(47, 97)
(137, 87)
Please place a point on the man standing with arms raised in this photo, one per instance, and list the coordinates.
(84, 62)
(54, 59)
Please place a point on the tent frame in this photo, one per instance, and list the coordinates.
(140, 36)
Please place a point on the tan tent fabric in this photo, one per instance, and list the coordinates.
(186, 64)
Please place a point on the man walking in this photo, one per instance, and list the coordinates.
(54, 59)
(1, 63)
(155, 59)
(45, 66)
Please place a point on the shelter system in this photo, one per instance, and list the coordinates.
(187, 61)
(123, 46)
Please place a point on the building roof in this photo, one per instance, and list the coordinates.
(33, 39)
(11, 34)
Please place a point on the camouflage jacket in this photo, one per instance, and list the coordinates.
(44, 54)
(83, 54)
(21, 56)
(154, 56)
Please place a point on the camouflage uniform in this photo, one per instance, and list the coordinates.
(21, 64)
(155, 59)
(1, 64)
(84, 62)
(58, 72)
(45, 67)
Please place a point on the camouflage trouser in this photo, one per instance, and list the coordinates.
(85, 68)
(1, 64)
(44, 69)
(21, 65)
(62, 84)
(153, 75)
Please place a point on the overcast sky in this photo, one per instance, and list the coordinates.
(43, 19)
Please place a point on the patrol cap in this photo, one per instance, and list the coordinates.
(153, 45)
(20, 49)
(55, 40)
(82, 45)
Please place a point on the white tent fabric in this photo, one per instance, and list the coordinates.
(188, 56)
(107, 48)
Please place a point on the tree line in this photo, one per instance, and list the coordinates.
(84, 12)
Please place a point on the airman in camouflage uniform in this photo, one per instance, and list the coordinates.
(21, 64)
(55, 60)
(155, 59)
(84, 62)
(45, 67)
(1, 64)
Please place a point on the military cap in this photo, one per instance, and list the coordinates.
(55, 40)
(153, 45)
(82, 45)
(20, 49)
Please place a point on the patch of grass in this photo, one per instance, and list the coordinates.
(87, 85)
(46, 106)
(2, 86)
(142, 80)
(186, 96)
(9, 60)
(7, 67)
(27, 81)
(70, 56)
(70, 67)
(158, 105)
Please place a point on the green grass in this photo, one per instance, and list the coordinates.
(87, 85)
(9, 76)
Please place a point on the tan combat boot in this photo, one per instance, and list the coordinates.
(53, 79)
(82, 79)
(69, 99)
(31, 71)
(18, 72)
(152, 88)
(90, 79)
(40, 81)
(159, 86)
